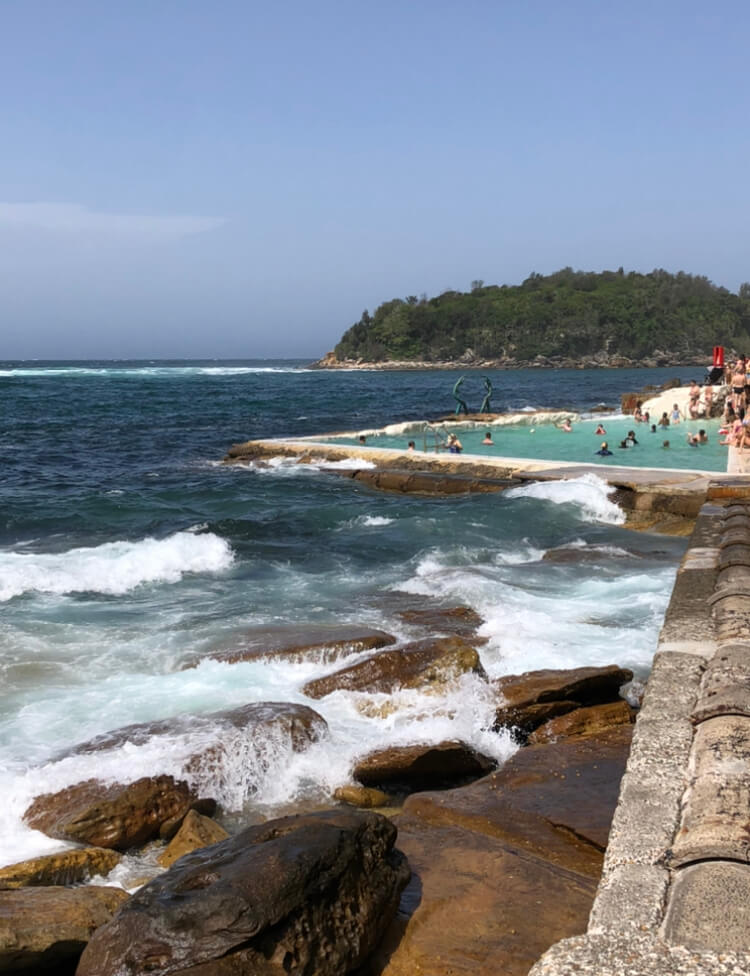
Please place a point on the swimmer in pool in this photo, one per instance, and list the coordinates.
(600, 430)
(604, 450)
(565, 426)
(488, 438)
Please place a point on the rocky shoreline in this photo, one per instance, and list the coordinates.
(599, 360)
(479, 874)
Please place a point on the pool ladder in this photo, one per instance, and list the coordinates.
(439, 436)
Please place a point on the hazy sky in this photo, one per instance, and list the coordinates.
(232, 178)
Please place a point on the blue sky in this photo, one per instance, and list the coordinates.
(237, 179)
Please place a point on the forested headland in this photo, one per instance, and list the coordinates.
(569, 317)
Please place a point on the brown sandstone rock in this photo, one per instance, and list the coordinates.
(118, 816)
(583, 686)
(44, 930)
(504, 867)
(414, 665)
(324, 644)
(196, 832)
(365, 797)
(422, 766)
(63, 868)
(307, 894)
(525, 717)
(584, 721)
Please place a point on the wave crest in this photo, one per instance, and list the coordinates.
(113, 568)
(589, 492)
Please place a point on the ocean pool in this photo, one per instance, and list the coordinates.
(546, 442)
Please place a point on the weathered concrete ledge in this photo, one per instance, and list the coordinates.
(674, 896)
(664, 499)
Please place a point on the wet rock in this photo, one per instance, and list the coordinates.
(276, 724)
(256, 726)
(292, 896)
(63, 868)
(423, 766)
(416, 665)
(195, 832)
(582, 686)
(430, 483)
(116, 816)
(365, 797)
(524, 718)
(460, 621)
(584, 554)
(503, 868)
(584, 721)
(323, 644)
(44, 930)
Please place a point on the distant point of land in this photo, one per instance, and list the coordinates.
(573, 319)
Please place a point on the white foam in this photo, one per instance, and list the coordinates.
(293, 467)
(589, 492)
(369, 521)
(114, 567)
(160, 371)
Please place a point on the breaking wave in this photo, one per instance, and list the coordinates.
(113, 568)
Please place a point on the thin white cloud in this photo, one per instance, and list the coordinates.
(73, 218)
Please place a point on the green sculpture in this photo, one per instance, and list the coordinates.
(461, 406)
(485, 408)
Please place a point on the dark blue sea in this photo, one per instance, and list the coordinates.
(126, 547)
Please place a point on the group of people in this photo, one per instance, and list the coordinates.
(604, 451)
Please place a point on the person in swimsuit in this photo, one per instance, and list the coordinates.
(488, 438)
(565, 426)
(604, 450)
(454, 444)
(739, 379)
(599, 431)
(708, 398)
(664, 422)
(675, 416)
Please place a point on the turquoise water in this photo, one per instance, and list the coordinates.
(545, 441)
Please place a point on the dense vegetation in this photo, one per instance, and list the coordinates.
(566, 314)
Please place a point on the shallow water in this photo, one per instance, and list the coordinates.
(126, 548)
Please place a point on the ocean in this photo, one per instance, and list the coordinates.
(127, 548)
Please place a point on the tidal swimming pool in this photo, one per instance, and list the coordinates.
(547, 442)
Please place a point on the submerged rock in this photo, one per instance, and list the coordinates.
(63, 868)
(423, 766)
(323, 644)
(117, 816)
(459, 621)
(307, 894)
(44, 930)
(415, 665)
(301, 723)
